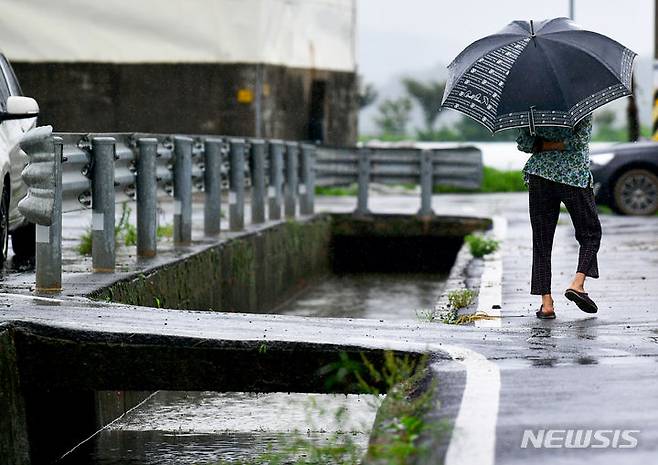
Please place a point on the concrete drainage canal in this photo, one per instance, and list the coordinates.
(143, 399)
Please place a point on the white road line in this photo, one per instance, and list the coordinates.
(473, 440)
(490, 295)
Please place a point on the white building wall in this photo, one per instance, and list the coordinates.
(297, 33)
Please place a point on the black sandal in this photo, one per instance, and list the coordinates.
(542, 315)
(582, 300)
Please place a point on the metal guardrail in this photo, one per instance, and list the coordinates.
(455, 167)
(75, 171)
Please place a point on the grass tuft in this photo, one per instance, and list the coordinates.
(350, 190)
(493, 180)
(461, 298)
(480, 246)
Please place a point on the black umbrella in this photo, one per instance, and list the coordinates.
(546, 73)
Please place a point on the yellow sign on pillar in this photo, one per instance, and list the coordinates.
(245, 96)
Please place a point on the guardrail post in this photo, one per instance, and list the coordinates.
(307, 185)
(147, 215)
(182, 190)
(275, 189)
(363, 173)
(49, 238)
(291, 188)
(102, 204)
(426, 178)
(212, 178)
(42, 204)
(257, 181)
(236, 185)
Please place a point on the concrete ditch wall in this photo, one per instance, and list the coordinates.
(259, 270)
(250, 273)
(14, 445)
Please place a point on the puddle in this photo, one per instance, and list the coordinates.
(209, 427)
(388, 296)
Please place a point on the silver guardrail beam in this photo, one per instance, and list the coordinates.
(454, 166)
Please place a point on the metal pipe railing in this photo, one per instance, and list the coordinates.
(147, 202)
(182, 190)
(275, 189)
(102, 205)
(236, 185)
(212, 213)
(292, 179)
(70, 172)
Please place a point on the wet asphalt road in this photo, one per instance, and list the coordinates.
(578, 372)
(575, 373)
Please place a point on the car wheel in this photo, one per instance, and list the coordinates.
(4, 224)
(23, 241)
(636, 193)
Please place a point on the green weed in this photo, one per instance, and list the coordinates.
(493, 180)
(84, 246)
(427, 314)
(352, 190)
(165, 231)
(481, 246)
(461, 298)
(125, 233)
(396, 439)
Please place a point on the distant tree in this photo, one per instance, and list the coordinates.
(394, 116)
(604, 129)
(367, 95)
(428, 96)
(605, 118)
(470, 130)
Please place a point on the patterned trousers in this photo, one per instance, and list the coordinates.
(544, 206)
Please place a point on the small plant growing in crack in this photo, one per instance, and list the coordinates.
(461, 298)
(427, 314)
(481, 246)
(124, 233)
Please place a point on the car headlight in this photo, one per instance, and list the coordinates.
(602, 158)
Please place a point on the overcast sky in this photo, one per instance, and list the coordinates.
(420, 37)
(400, 36)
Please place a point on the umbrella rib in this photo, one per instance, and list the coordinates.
(556, 76)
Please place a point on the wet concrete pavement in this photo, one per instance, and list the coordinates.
(578, 372)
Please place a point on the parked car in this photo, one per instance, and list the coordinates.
(18, 114)
(626, 177)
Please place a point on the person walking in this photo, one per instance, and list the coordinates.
(558, 171)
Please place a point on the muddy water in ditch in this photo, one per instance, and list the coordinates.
(206, 428)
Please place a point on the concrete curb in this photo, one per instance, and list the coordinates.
(490, 295)
(465, 273)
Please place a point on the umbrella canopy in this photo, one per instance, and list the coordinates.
(544, 73)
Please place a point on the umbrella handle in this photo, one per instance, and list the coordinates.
(531, 119)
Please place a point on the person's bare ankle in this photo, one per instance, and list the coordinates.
(547, 302)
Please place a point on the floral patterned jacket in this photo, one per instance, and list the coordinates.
(570, 166)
